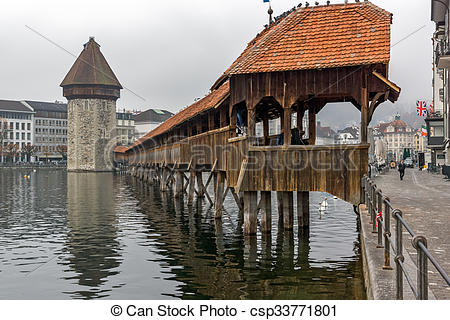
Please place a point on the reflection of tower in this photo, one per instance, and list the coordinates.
(92, 90)
(92, 245)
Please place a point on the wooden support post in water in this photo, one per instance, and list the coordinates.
(200, 185)
(218, 201)
(288, 206)
(179, 184)
(151, 174)
(280, 205)
(164, 176)
(191, 187)
(266, 211)
(250, 212)
(303, 209)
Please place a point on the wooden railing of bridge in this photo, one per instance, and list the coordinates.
(336, 169)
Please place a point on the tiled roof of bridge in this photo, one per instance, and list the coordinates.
(319, 37)
(208, 102)
(121, 149)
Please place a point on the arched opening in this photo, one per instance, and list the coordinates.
(338, 123)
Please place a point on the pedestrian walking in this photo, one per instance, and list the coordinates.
(401, 169)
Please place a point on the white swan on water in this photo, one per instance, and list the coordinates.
(323, 206)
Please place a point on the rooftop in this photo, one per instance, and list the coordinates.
(91, 68)
(152, 115)
(47, 106)
(12, 105)
(210, 101)
(319, 37)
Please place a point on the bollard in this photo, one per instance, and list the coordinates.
(422, 268)
(387, 234)
(399, 254)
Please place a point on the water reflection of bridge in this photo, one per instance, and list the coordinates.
(217, 261)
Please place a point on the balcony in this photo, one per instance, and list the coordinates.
(443, 61)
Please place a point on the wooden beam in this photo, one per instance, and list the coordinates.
(374, 103)
(364, 115)
(286, 125)
(312, 125)
(237, 199)
(251, 123)
(390, 84)
(241, 175)
(266, 129)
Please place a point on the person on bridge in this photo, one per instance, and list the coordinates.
(401, 169)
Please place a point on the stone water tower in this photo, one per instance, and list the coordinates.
(91, 89)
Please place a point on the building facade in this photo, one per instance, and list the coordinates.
(91, 89)
(126, 129)
(148, 120)
(438, 119)
(349, 135)
(398, 139)
(420, 142)
(324, 135)
(50, 130)
(16, 130)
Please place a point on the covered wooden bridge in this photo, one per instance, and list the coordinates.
(305, 59)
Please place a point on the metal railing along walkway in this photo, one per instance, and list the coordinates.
(381, 210)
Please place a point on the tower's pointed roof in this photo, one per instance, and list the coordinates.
(91, 68)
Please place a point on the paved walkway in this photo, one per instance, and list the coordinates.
(424, 199)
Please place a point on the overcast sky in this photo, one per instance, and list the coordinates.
(170, 52)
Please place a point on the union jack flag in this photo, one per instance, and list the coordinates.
(421, 108)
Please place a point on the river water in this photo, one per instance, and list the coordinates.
(92, 236)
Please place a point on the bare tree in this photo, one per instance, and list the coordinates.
(46, 152)
(3, 135)
(11, 151)
(29, 150)
(62, 150)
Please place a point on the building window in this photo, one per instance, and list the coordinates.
(28, 126)
(17, 136)
(23, 135)
(28, 136)
(17, 126)
(436, 129)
